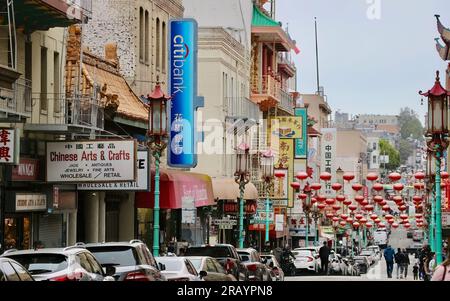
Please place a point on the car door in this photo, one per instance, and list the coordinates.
(222, 274)
(9, 273)
(210, 268)
(150, 260)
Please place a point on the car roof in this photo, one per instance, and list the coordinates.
(211, 246)
(110, 244)
(170, 258)
(61, 251)
(249, 250)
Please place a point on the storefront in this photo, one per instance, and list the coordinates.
(186, 201)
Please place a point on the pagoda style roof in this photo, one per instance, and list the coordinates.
(261, 19)
(437, 89)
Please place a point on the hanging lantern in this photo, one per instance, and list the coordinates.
(295, 185)
(356, 225)
(377, 221)
(359, 216)
(418, 215)
(369, 225)
(390, 221)
(419, 175)
(335, 219)
(329, 215)
(386, 208)
(417, 198)
(313, 200)
(301, 176)
(395, 176)
(402, 208)
(383, 203)
(407, 225)
(321, 198)
(336, 186)
(419, 186)
(372, 176)
(364, 202)
(347, 202)
(321, 206)
(357, 187)
(316, 186)
(336, 207)
(378, 199)
(388, 216)
(381, 225)
(279, 174)
(404, 216)
(344, 216)
(325, 176)
(398, 199)
(444, 175)
(359, 198)
(349, 177)
(352, 207)
(373, 217)
(349, 220)
(340, 198)
(377, 187)
(363, 221)
(398, 187)
(395, 225)
(330, 201)
(369, 207)
(302, 196)
(342, 223)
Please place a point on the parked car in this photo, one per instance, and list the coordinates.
(257, 270)
(380, 238)
(370, 254)
(11, 270)
(418, 235)
(377, 251)
(337, 265)
(61, 264)
(180, 269)
(351, 266)
(132, 260)
(226, 255)
(305, 260)
(215, 272)
(276, 272)
(363, 264)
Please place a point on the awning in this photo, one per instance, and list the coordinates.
(178, 189)
(228, 189)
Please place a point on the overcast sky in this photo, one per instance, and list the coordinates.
(367, 65)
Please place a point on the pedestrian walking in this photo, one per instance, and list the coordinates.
(416, 271)
(423, 254)
(324, 254)
(389, 257)
(406, 262)
(442, 271)
(428, 266)
(400, 261)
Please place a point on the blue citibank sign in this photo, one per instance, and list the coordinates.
(182, 148)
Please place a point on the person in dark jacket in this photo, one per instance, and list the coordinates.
(324, 254)
(400, 261)
(423, 255)
(389, 257)
(406, 262)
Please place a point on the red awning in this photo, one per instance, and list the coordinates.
(178, 187)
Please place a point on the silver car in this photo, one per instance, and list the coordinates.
(179, 269)
(60, 264)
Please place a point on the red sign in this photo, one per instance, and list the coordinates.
(366, 192)
(27, 170)
(233, 207)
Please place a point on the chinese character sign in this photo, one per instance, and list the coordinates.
(8, 146)
(328, 164)
(301, 144)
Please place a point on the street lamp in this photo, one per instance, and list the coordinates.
(242, 177)
(437, 134)
(306, 205)
(157, 141)
(267, 162)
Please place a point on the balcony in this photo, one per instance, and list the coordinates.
(269, 93)
(285, 64)
(286, 102)
(15, 103)
(241, 107)
(55, 113)
(32, 15)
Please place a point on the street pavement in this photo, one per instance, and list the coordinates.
(377, 272)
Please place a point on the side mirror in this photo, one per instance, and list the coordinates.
(161, 266)
(203, 274)
(264, 260)
(110, 270)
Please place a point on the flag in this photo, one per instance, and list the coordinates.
(296, 50)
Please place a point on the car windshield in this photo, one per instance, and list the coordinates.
(245, 257)
(197, 262)
(302, 253)
(209, 251)
(114, 255)
(42, 263)
(171, 264)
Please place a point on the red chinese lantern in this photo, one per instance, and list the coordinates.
(316, 186)
(372, 176)
(404, 216)
(363, 220)
(295, 185)
(357, 187)
(388, 216)
(377, 187)
(313, 200)
(395, 176)
(302, 196)
(381, 225)
(321, 198)
(340, 198)
(364, 202)
(419, 175)
(321, 206)
(417, 198)
(355, 225)
(342, 223)
(359, 216)
(349, 176)
(352, 207)
(377, 221)
(347, 202)
(390, 221)
(373, 216)
(335, 219)
(386, 208)
(336, 207)
(369, 207)
(344, 216)
(398, 187)
(402, 208)
(359, 198)
(329, 215)
(444, 175)
(325, 176)
(378, 198)
(419, 216)
(383, 203)
(330, 201)
(419, 186)
(395, 225)
(398, 199)
(336, 186)
(369, 225)
(407, 225)
(349, 220)
(279, 174)
(301, 175)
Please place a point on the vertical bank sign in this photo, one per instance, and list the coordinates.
(183, 90)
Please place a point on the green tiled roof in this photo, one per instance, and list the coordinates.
(261, 19)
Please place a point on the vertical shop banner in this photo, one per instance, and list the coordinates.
(285, 162)
(329, 150)
(182, 147)
(301, 144)
(9, 146)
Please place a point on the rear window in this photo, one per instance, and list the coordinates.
(197, 263)
(209, 251)
(171, 265)
(42, 263)
(302, 253)
(116, 256)
(244, 256)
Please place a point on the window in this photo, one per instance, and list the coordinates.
(374, 159)
(141, 34)
(10, 273)
(146, 38)
(210, 267)
(158, 44)
(42, 263)
(56, 83)
(23, 274)
(219, 268)
(120, 255)
(2, 275)
(44, 99)
(164, 46)
(96, 268)
(374, 145)
(84, 262)
(190, 268)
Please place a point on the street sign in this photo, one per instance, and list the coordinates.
(260, 218)
(279, 222)
(225, 223)
(446, 220)
(280, 203)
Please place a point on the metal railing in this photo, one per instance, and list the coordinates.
(48, 108)
(85, 6)
(241, 107)
(18, 100)
(286, 58)
(287, 102)
(269, 85)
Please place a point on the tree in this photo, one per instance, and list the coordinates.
(405, 150)
(394, 156)
(410, 125)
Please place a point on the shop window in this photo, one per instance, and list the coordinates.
(158, 44)
(145, 225)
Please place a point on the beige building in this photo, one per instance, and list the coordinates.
(352, 153)
(318, 109)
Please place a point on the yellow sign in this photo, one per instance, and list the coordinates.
(287, 127)
(285, 162)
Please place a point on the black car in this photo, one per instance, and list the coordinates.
(11, 270)
(227, 256)
(132, 260)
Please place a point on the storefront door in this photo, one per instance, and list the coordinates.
(18, 232)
